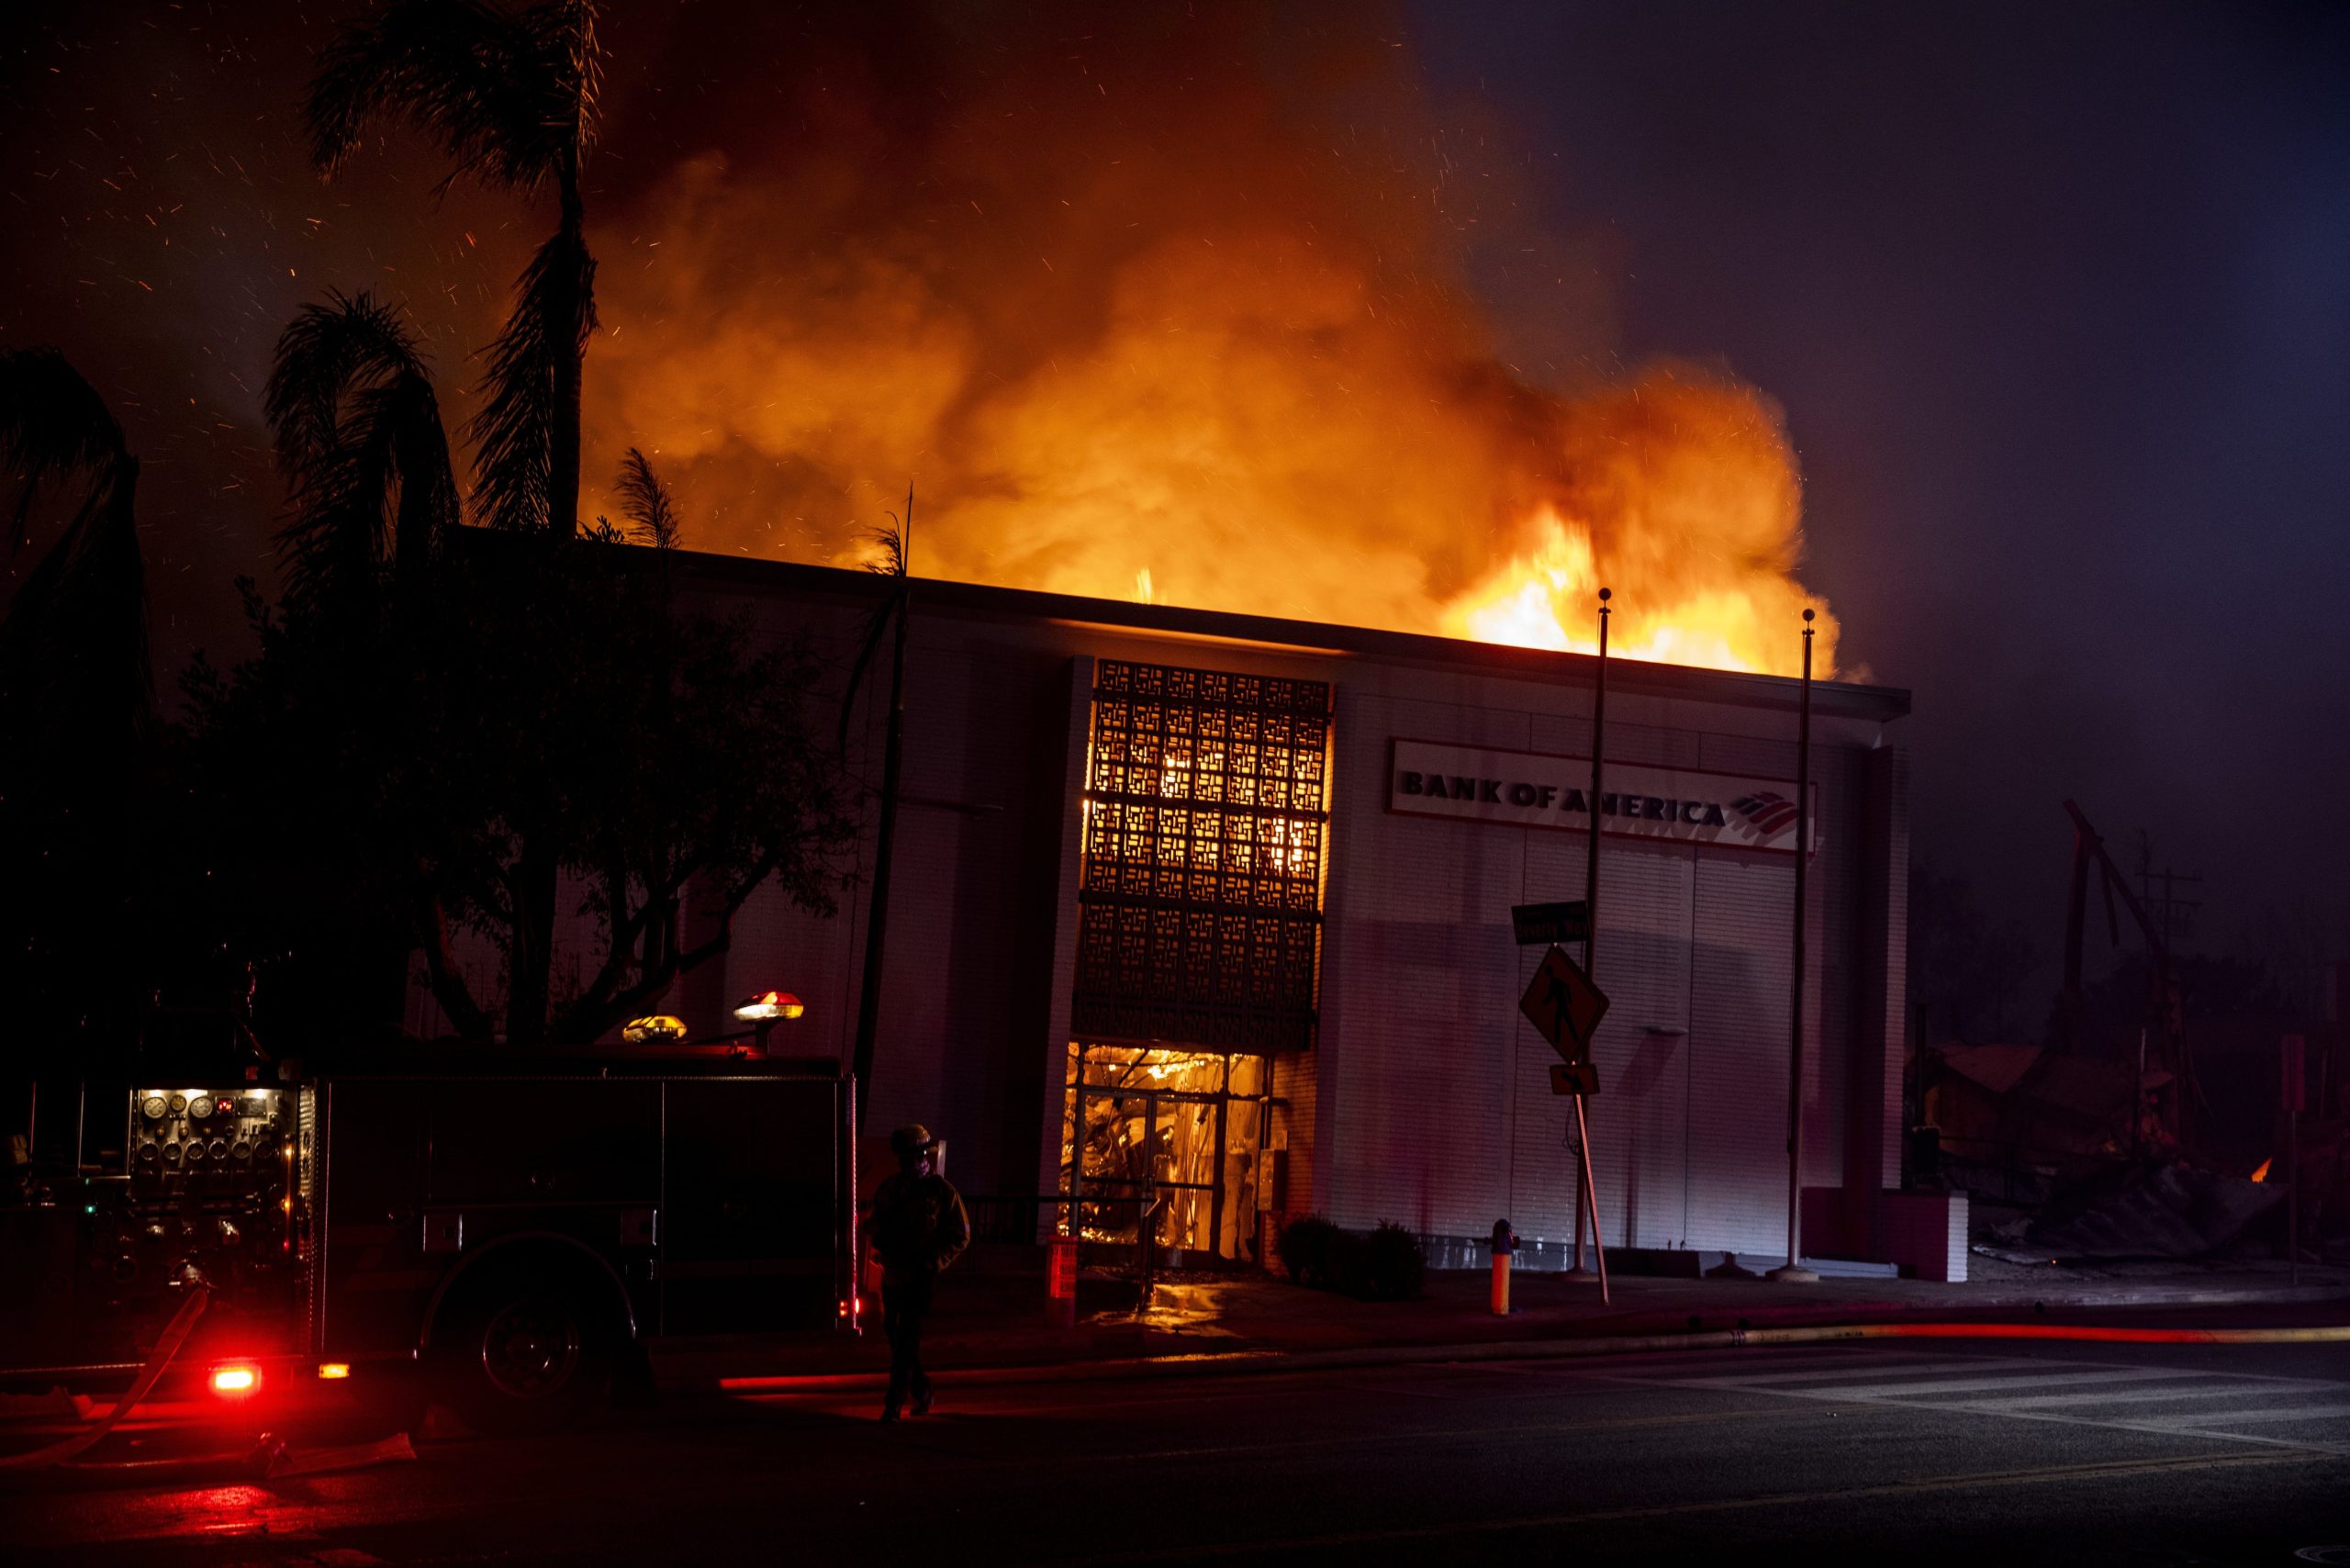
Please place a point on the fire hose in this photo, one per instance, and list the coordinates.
(174, 1335)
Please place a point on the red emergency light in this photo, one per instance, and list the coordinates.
(235, 1382)
(768, 1007)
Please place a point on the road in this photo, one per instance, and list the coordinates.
(1976, 1451)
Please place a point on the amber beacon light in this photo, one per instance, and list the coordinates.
(765, 1010)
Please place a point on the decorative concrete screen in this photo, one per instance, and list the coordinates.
(1199, 901)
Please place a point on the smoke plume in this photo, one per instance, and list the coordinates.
(1155, 301)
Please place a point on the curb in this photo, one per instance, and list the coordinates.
(1221, 1362)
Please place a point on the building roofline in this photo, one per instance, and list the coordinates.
(1841, 698)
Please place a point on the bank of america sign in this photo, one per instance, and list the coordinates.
(1736, 810)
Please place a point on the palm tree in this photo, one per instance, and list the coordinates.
(365, 459)
(76, 693)
(510, 96)
(73, 644)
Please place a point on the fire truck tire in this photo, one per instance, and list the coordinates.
(518, 1352)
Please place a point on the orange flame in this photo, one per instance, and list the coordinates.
(1151, 329)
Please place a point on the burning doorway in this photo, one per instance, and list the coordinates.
(1167, 1143)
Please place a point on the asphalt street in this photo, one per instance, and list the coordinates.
(1977, 1451)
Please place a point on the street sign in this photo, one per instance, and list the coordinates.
(1563, 1004)
(1538, 923)
(1575, 1078)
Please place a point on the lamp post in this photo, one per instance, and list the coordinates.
(1792, 1272)
(1587, 1201)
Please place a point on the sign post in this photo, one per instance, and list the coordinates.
(1590, 1204)
(1564, 1004)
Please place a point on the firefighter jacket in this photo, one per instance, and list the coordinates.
(918, 1225)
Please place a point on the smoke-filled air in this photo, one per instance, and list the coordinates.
(1166, 304)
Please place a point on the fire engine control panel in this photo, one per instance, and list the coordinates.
(213, 1196)
(206, 1140)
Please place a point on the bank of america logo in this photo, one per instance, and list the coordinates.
(1771, 814)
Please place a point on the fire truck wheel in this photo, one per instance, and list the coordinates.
(524, 1355)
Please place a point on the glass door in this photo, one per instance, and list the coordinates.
(1166, 1143)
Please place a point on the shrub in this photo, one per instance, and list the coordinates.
(1393, 1264)
(1310, 1250)
(1386, 1265)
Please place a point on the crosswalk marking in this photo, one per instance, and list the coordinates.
(2087, 1394)
(1743, 1380)
(1975, 1384)
(2132, 1395)
(2238, 1417)
(1828, 1360)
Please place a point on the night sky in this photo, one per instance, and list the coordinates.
(2053, 298)
(2057, 299)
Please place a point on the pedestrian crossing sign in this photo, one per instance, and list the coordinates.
(1564, 1004)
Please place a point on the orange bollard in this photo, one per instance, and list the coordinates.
(1505, 1245)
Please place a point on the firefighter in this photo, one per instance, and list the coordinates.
(919, 1226)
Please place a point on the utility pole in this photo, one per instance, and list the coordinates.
(2174, 914)
(1793, 1271)
(1586, 1195)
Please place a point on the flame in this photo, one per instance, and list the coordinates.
(1144, 318)
(2262, 1174)
(1547, 599)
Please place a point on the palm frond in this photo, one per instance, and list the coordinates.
(382, 496)
(324, 353)
(644, 501)
(513, 434)
(52, 424)
(895, 543)
(74, 654)
(892, 543)
(472, 77)
(360, 440)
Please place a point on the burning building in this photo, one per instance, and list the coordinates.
(1218, 906)
(1260, 690)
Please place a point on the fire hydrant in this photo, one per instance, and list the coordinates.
(1505, 1244)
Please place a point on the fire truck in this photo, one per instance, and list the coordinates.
(500, 1233)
